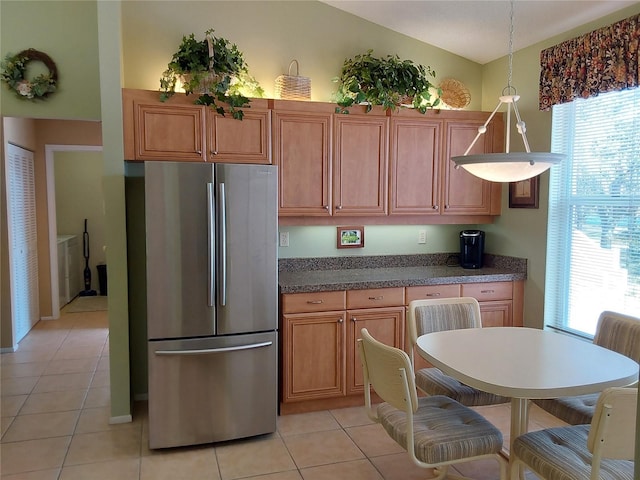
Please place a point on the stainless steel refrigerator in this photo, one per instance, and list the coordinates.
(211, 240)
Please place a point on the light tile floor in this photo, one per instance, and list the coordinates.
(55, 426)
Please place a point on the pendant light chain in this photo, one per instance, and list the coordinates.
(509, 78)
(507, 166)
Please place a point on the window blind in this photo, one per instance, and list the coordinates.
(593, 240)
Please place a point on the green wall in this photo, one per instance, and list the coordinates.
(378, 240)
(66, 31)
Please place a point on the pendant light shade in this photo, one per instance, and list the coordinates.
(507, 167)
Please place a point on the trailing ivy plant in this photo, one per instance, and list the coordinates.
(386, 81)
(224, 77)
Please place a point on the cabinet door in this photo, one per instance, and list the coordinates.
(414, 159)
(302, 151)
(360, 165)
(385, 324)
(173, 133)
(313, 356)
(496, 314)
(240, 141)
(464, 193)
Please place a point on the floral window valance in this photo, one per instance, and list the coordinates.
(604, 60)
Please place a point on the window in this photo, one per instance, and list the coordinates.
(593, 240)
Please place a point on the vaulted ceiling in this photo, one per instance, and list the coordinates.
(479, 30)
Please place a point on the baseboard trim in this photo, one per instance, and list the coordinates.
(9, 349)
(120, 419)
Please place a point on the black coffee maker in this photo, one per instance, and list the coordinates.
(471, 248)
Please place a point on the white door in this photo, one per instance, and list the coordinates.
(21, 219)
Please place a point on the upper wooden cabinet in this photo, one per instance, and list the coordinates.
(378, 167)
(239, 141)
(302, 151)
(424, 180)
(164, 132)
(464, 193)
(360, 165)
(178, 130)
(415, 151)
(330, 165)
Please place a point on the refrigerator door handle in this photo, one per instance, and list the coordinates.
(223, 244)
(214, 350)
(211, 260)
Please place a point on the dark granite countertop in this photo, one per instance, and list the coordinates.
(355, 273)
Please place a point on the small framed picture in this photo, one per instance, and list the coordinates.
(524, 194)
(350, 237)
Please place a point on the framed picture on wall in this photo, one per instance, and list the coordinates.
(524, 194)
(350, 237)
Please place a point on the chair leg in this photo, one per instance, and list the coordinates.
(517, 469)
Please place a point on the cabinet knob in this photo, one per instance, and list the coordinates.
(199, 152)
(446, 207)
(326, 207)
(340, 320)
(338, 207)
(214, 152)
(487, 291)
(354, 319)
(435, 207)
(437, 294)
(380, 297)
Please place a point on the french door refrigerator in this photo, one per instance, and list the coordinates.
(211, 239)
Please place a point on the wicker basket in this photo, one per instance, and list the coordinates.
(293, 87)
(454, 93)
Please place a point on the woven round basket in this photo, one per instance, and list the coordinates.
(454, 93)
(207, 83)
(293, 87)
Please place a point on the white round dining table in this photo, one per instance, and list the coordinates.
(526, 363)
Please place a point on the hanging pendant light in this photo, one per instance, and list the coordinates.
(507, 167)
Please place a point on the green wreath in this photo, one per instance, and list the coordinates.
(14, 69)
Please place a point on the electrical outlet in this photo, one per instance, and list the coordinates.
(422, 236)
(284, 239)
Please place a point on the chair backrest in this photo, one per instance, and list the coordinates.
(613, 428)
(388, 370)
(435, 315)
(620, 333)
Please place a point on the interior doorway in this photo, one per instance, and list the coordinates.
(81, 178)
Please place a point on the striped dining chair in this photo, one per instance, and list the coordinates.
(604, 449)
(435, 315)
(436, 431)
(615, 331)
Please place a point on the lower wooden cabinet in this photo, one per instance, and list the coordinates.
(385, 324)
(313, 364)
(319, 331)
(320, 357)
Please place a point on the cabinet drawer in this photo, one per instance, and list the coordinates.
(375, 297)
(425, 292)
(488, 291)
(313, 302)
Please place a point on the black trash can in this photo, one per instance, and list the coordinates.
(102, 278)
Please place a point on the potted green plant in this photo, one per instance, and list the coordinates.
(213, 68)
(386, 81)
